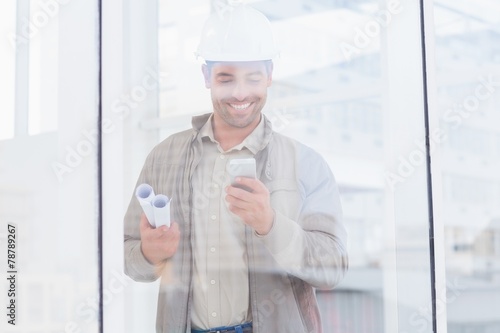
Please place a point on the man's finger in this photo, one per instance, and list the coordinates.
(237, 202)
(153, 233)
(239, 193)
(242, 213)
(173, 232)
(253, 183)
(144, 224)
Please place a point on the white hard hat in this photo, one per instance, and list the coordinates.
(239, 33)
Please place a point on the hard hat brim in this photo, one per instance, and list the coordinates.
(235, 57)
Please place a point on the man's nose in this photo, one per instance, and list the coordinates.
(240, 92)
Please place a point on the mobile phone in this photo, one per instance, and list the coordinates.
(241, 167)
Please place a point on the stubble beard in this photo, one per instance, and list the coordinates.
(239, 122)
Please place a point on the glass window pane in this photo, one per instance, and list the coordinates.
(49, 181)
(468, 78)
(348, 84)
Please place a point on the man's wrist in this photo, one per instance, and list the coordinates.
(269, 225)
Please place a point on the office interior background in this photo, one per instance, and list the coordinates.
(355, 80)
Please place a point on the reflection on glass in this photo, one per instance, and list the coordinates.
(330, 98)
(468, 73)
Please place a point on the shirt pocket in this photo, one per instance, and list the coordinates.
(284, 194)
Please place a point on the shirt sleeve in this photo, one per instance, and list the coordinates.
(313, 247)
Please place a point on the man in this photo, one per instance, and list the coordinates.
(234, 259)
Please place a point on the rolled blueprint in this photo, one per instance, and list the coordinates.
(161, 208)
(145, 194)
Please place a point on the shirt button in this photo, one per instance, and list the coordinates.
(214, 314)
(212, 249)
(222, 157)
(213, 217)
(212, 282)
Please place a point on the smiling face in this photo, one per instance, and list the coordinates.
(239, 91)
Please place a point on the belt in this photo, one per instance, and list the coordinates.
(242, 328)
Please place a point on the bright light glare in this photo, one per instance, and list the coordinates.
(7, 68)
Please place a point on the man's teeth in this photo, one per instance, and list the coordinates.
(240, 107)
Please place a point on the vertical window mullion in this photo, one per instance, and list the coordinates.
(434, 179)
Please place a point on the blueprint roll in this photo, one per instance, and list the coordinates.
(161, 208)
(145, 194)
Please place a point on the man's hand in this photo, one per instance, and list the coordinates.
(253, 207)
(158, 244)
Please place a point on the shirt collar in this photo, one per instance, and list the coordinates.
(206, 131)
(254, 142)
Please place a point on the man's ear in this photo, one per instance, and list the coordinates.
(206, 75)
(269, 69)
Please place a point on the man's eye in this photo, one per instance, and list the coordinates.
(255, 79)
